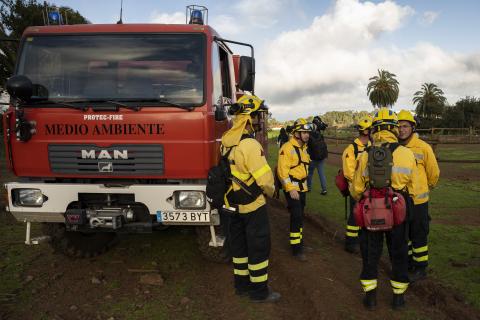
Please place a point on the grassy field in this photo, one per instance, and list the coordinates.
(454, 238)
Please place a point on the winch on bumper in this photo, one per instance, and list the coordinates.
(111, 218)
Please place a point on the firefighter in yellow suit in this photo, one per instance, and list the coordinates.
(252, 179)
(349, 163)
(292, 170)
(403, 179)
(429, 173)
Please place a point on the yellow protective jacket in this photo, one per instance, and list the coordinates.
(427, 165)
(349, 160)
(291, 170)
(248, 163)
(404, 169)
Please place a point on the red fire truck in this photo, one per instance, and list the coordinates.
(113, 128)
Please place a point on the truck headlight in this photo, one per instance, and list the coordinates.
(189, 199)
(28, 197)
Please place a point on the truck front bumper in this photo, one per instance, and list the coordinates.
(158, 199)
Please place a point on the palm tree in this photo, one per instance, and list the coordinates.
(382, 90)
(428, 100)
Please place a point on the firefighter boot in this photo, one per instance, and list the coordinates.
(370, 299)
(300, 257)
(418, 274)
(271, 298)
(351, 247)
(398, 301)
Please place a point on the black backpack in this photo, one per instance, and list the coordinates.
(317, 148)
(218, 181)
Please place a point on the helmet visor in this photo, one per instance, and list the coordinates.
(305, 127)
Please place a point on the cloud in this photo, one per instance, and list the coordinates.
(226, 25)
(326, 66)
(261, 13)
(168, 18)
(429, 17)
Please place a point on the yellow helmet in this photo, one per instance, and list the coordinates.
(302, 125)
(249, 103)
(364, 123)
(405, 115)
(385, 116)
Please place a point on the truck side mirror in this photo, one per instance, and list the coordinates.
(20, 87)
(220, 113)
(246, 79)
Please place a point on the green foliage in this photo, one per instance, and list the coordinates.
(15, 17)
(429, 101)
(464, 114)
(343, 118)
(382, 90)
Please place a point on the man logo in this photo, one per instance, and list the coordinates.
(105, 167)
(105, 154)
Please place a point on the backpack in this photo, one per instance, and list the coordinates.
(340, 181)
(317, 148)
(219, 181)
(381, 207)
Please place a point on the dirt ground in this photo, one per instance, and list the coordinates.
(109, 286)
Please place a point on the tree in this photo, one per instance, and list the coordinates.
(15, 17)
(430, 101)
(382, 90)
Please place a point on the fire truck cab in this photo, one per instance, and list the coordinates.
(113, 128)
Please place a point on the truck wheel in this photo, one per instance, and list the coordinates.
(78, 244)
(214, 254)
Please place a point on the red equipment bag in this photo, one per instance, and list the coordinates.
(380, 209)
(342, 183)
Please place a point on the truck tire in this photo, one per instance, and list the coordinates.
(213, 254)
(78, 244)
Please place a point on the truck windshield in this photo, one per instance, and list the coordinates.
(167, 67)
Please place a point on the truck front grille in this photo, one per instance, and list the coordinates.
(119, 159)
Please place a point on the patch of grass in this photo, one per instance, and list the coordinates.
(455, 258)
(448, 243)
(14, 258)
(458, 152)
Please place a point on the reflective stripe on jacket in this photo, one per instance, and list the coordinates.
(289, 166)
(248, 163)
(404, 169)
(427, 165)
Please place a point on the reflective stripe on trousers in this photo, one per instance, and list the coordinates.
(399, 287)
(352, 231)
(368, 285)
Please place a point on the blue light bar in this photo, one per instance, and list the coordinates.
(54, 16)
(196, 17)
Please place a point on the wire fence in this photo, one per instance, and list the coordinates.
(434, 143)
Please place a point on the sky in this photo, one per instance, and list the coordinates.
(316, 56)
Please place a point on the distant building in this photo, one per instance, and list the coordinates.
(4, 98)
(276, 128)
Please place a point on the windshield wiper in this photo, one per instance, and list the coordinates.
(55, 104)
(114, 102)
(161, 101)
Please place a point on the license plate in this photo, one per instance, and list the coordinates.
(175, 216)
